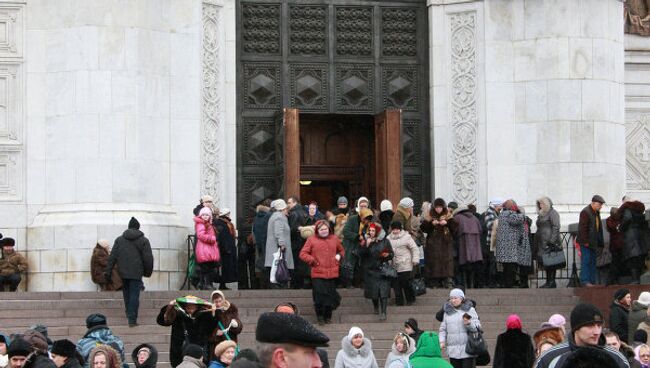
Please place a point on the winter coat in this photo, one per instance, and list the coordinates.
(645, 326)
(637, 315)
(512, 243)
(132, 255)
(260, 228)
(112, 358)
(189, 362)
(385, 218)
(514, 349)
(557, 355)
(590, 229)
(72, 362)
(181, 323)
(298, 218)
(618, 316)
(397, 359)
(40, 360)
(278, 234)
(351, 235)
(427, 353)
(151, 361)
(349, 357)
(98, 263)
(227, 249)
(468, 232)
(12, 263)
(453, 331)
(548, 228)
(4, 360)
(320, 255)
(375, 285)
(633, 226)
(216, 364)
(405, 251)
(616, 237)
(439, 247)
(225, 315)
(490, 216)
(403, 216)
(99, 335)
(206, 235)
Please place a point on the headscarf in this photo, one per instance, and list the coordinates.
(112, 356)
(637, 354)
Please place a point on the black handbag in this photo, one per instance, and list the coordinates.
(476, 344)
(417, 284)
(387, 271)
(554, 257)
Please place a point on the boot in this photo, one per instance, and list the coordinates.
(328, 315)
(383, 302)
(375, 304)
(321, 320)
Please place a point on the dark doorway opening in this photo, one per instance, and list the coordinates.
(324, 192)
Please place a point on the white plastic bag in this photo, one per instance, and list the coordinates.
(274, 266)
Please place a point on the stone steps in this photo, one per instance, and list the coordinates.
(65, 312)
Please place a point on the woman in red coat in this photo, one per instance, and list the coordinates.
(323, 252)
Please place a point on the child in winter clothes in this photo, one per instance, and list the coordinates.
(428, 354)
(403, 347)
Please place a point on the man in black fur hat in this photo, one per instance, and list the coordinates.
(132, 254)
(64, 354)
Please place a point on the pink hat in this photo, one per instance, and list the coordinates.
(513, 322)
(205, 211)
(557, 320)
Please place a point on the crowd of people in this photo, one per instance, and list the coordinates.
(204, 334)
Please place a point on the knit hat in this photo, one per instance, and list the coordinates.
(621, 293)
(134, 224)
(104, 243)
(223, 346)
(396, 225)
(644, 299)
(342, 200)
(207, 198)
(385, 205)
(497, 201)
(557, 320)
(19, 347)
(64, 348)
(205, 211)
(279, 204)
(363, 199)
(513, 322)
(193, 350)
(354, 331)
(641, 336)
(457, 293)
(96, 319)
(7, 242)
(585, 314)
(406, 202)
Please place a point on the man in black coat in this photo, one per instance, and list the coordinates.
(297, 218)
(132, 254)
(619, 312)
(226, 235)
(259, 230)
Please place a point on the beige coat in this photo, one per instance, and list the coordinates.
(406, 251)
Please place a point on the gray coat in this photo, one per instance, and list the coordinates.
(548, 227)
(453, 331)
(349, 357)
(512, 243)
(278, 234)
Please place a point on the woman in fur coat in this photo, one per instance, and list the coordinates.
(514, 347)
(356, 351)
(403, 347)
(98, 263)
(439, 248)
(375, 251)
(548, 234)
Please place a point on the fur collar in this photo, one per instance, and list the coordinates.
(544, 205)
(634, 206)
(465, 307)
(350, 350)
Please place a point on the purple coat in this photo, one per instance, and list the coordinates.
(468, 233)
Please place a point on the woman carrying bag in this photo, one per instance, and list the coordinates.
(375, 253)
(459, 319)
(407, 256)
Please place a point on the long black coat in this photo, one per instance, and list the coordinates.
(375, 286)
(514, 350)
(633, 225)
(298, 217)
(227, 250)
(196, 330)
(618, 320)
(260, 230)
(132, 255)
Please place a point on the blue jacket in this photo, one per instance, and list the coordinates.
(99, 335)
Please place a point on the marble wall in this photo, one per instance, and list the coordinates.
(537, 105)
(114, 118)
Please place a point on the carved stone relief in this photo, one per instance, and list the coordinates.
(261, 28)
(256, 189)
(354, 87)
(308, 30)
(354, 34)
(638, 154)
(309, 87)
(412, 187)
(259, 142)
(399, 32)
(11, 114)
(11, 173)
(11, 31)
(464, 117)
(262, 86)
(411, 143)
(400, 86)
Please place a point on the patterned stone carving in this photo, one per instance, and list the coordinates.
(411, 143)
(256, 189)
(11, 173)
(262, 86)
(464, 117)
(308, 30)
(400, 87)
(11, 104)
(355, 87)
(261, 28)
(11, 30)
(212, 129)
(259, 142)
(309, 87)
(354, 31)
(412, 187)
(399, 32)
(638, 154)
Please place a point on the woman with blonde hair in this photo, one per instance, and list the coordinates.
(403, 347)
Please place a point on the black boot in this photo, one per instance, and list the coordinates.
(383, 303)
(327, 314)
(375, 304)
(549, 280)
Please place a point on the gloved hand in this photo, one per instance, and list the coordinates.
(234, 324)
(338, 257)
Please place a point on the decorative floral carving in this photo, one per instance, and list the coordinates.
(308, 30)
(464, 118)
(399, 32)
(638, 154)
(354, 31)
(261, 28)
(212, 130)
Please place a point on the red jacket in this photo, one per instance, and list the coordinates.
(320, 254)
